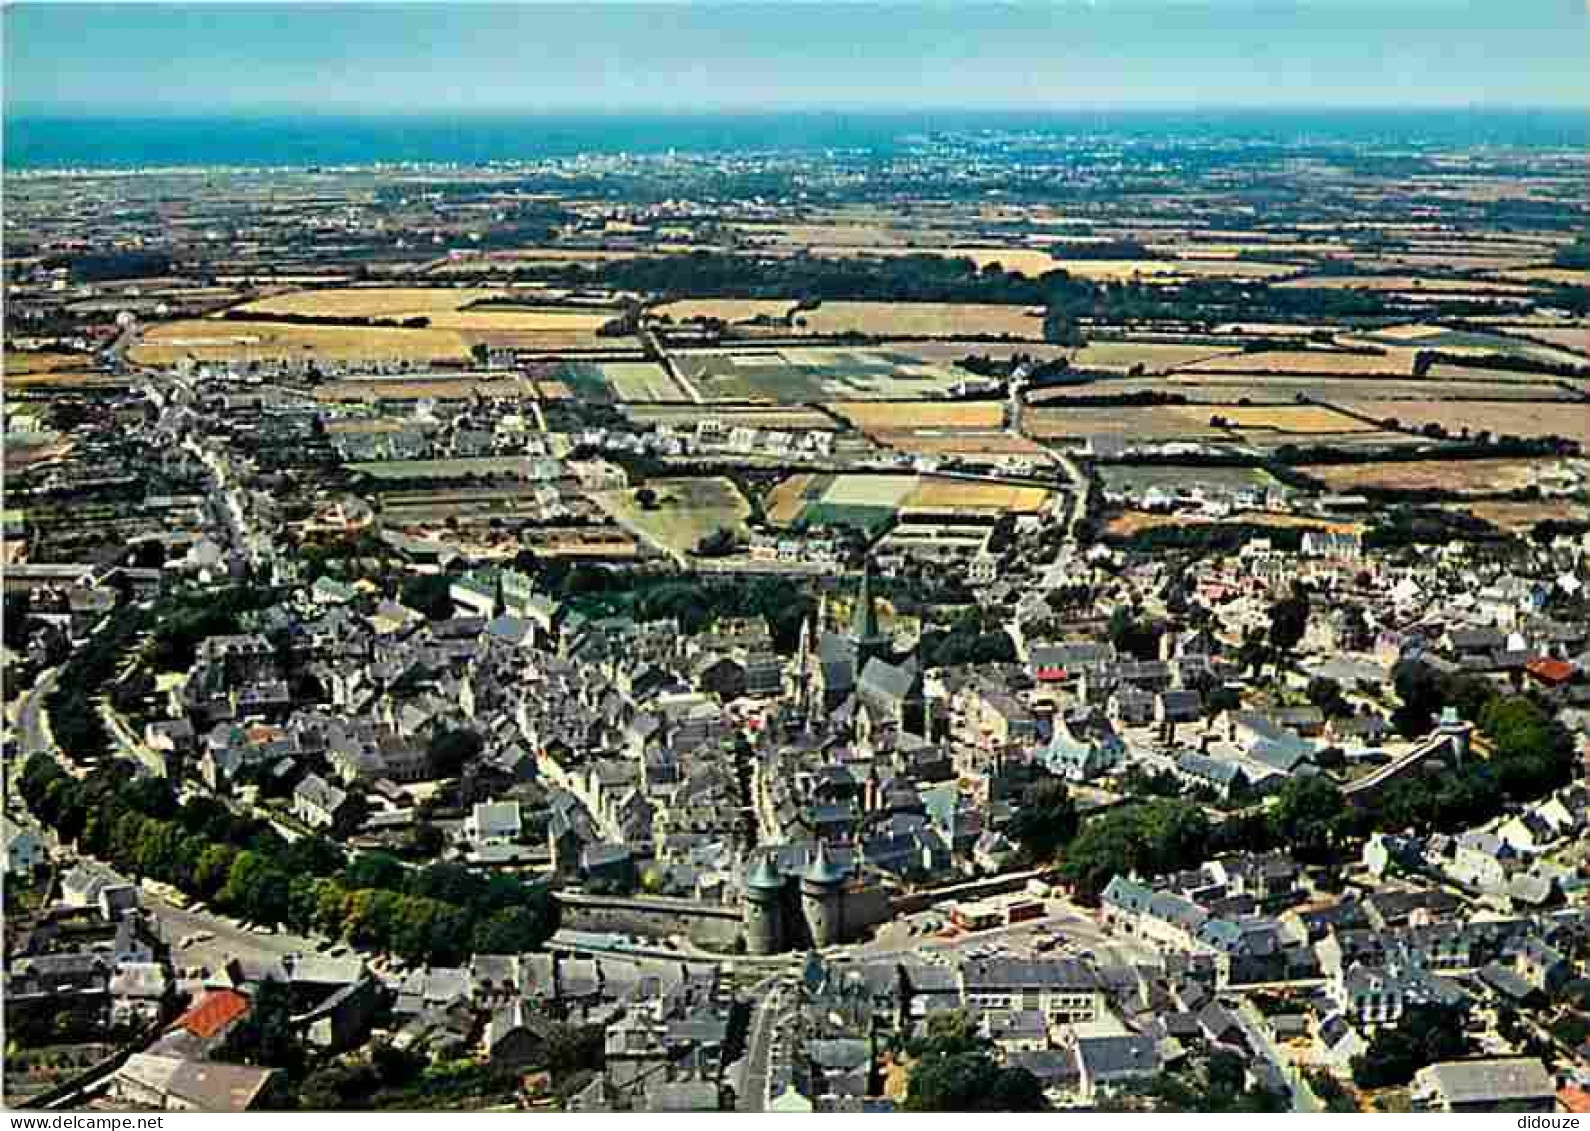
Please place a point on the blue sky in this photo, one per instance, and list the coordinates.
(136, 58)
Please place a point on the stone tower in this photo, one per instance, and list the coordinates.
(764, 908)
(1452, 727)
(822, 896)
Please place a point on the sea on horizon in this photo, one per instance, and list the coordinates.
(34, 143)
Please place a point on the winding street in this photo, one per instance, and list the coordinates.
(229, 939)
(32, 723)
(1303, 1099)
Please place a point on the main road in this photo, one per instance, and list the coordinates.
(767, 1000)
(230, 939)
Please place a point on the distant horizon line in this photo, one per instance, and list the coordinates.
(258, 137)
(1267, 109)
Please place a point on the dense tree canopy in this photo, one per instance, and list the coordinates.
(718, 544)
(1423, 1035)
(429, 593)
(1046, 820)
(451, 750)
(1134, 636)
(1326, 694)
(1216, 1083)
(1288, 621)
(243, 866)
(954, 1070)
(1155, 836)
(1531, 753)
(1309, 814)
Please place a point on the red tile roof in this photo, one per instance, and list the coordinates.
(213, 1013)
(1551, 671)
(1574, 1099)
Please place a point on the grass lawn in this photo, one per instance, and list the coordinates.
(687, 510)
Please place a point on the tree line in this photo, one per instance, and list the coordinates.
(176, 627)
(811, 279)
(438, 914)
(417, 322)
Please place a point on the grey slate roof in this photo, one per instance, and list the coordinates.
(1490, 1081)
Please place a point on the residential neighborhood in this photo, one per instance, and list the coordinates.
(804, 612)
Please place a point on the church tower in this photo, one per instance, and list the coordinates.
(870, 640)
(802, 689)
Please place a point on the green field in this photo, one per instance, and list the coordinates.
(641, 381)
(871, 519)
(803, 376)
(687, 510)
(585, 380)
(1119, 477)
(869, 501)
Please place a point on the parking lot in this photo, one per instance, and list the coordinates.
(1064, 931)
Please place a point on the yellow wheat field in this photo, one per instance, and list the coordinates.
(442, 389)
(1402, 283)
(727, 309)
(28, 369)
(1154, 357)
(1155, 422)
(18, 363)
(898, 416)
(785, 502)
(1478, 475)
(935, 494)
(1502, 418)
(1126, 523)
(1395, 360)
(1167, 269)
(448, 308)
(1556, 276)
(371, 302)
(214, 340)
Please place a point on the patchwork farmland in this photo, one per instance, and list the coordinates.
(1467, 476)
(814, 375)
(872, 501)
(1499, 418)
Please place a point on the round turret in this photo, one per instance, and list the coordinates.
(822, 872)
(764, 877)
(763, 908)
(822, 896)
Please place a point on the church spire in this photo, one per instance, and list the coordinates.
(864, 620)
(868, 639)
(803, 667)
